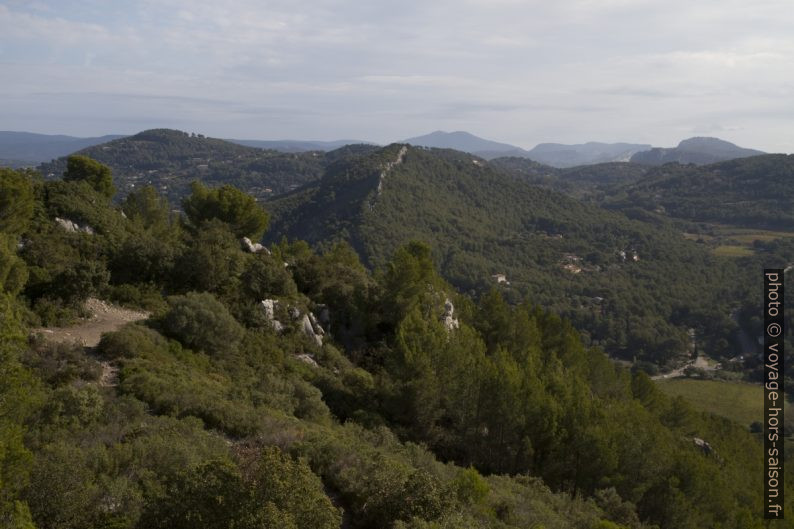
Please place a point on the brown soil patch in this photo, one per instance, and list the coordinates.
(105, 318)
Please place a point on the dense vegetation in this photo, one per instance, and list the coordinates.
(418, 408)
(582, 181)
(575, 259)
(170, 160)
(750, 192)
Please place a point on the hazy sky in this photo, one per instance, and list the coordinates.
(522, 72)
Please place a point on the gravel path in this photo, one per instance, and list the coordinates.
(105, 318)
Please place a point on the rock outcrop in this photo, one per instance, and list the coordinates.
(311, 330)
(252, 247)
(309, 359)
(73, 227)
(703, 445)
(269, 305)
(307, 322)
(448, 318)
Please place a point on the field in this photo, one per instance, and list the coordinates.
(729, 250)
(742, 402)
(733, 241)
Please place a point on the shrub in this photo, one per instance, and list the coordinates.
(131, 341)
(201, 322)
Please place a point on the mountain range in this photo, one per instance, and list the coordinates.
(26, 149)
(698, 151)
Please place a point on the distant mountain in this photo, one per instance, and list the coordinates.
(561, 155)
(699, 151)
(171, 159)
(463, 141)
(299, 145)
(483, 223)
(550, 154)
(24, 148)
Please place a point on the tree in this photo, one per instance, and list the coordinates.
(211, 495)
(19, 395)
(238, 209)
(148, 208)
(201, 322)
(13, 271)
(16, 201)
(85, 169)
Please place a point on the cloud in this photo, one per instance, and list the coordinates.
(525, 71)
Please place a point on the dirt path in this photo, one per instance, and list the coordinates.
(105, 318)
(700, 363)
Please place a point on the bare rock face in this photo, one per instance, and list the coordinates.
(703, 445)
(448, 318)
(316, 325)
(307, 323)
(73, 227)
(308, 359)
(308, 330)
(269, 306)
(253, 247)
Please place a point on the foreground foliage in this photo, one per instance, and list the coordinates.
(209, 415)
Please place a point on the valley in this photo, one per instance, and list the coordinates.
(352, 351)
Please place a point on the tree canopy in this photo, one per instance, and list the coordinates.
(228, 204)
(85, 169)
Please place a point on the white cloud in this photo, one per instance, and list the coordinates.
(521, 71)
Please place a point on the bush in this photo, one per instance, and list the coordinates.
(279, 492)
(265, 277)
(470, 486)
(61, 363)
(228, 204)
(201, 322)
(132, 341)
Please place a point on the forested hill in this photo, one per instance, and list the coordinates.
(318, 395)
(751, 192)
(579, 181)
(171, 159)
(625, 283)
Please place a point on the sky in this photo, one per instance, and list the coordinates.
(517, 71)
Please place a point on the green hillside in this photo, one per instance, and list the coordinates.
(755, 192)
(318, 394)
(583, 181)
(171, 159)
(552, 249)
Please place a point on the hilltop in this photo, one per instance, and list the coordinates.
(299, 145)
(561, 155)
(171, 159)
(754, 192)
(465, 142)
(489, 229)
(699, 151)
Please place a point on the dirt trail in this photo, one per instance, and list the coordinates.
(105, 318)
(700, 363)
